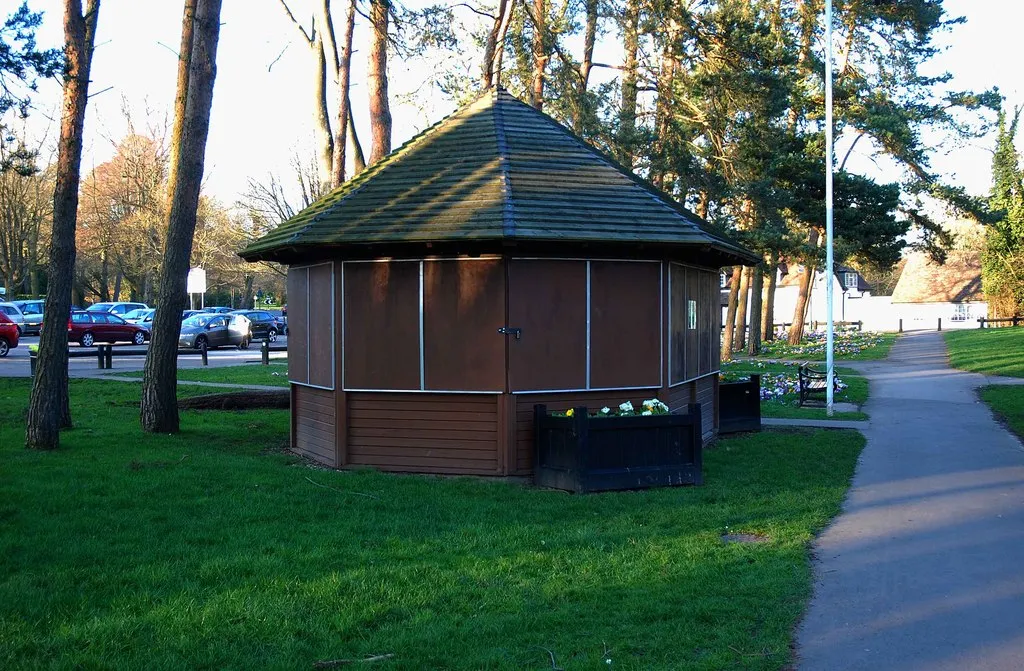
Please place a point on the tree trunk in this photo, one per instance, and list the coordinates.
(358, 159)
(495, 37)
(740, 332)
(118, 278)
(159, 393)
(540, 57)
(181, 93)
(48, 409)
(796, 331)
(377, 81)
(344, 111)
(768, 311)
(730, 313)
(630, 76)
(322, 115)
(756, 285)
(247, 296)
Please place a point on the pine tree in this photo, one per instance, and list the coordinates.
(1003, 259)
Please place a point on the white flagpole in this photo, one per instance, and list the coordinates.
(830, 274)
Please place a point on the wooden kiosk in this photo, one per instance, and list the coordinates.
(493, 262)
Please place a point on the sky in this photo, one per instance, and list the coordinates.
(261, 116)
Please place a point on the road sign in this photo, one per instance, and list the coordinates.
(196, 282)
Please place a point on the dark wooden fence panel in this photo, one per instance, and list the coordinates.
(739, 406)
(625, 320)
(314, 416)
(298, 334)
(584, 454)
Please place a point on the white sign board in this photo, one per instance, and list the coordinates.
(196, 282)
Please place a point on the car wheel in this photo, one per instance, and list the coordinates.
(139, 338)
(87, 340)
(4, 347)
(272, 335)
(200, 342)
(244, 343)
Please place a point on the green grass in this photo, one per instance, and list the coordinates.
(990, 351)
(787, 406)
(1008, 404)
(215, 549)
(849, 346)
(273, 375)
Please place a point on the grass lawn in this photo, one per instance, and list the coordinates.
(215, 549)
(991, 351)
(1008, 404)
(786, 405)
(849, 346)
(273, 375)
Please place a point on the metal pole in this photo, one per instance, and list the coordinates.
(829, 260)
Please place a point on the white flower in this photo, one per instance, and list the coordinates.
(605, 410)
(626, 407)
(646, 413)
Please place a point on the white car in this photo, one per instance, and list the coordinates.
(15, 314)
(142, 317)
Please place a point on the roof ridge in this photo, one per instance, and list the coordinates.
(655, 193)
(507, 214)
(351, 187)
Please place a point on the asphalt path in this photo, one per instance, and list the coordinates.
(16, 363)
(924, 570)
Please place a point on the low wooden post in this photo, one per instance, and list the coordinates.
(981, 322)
(203, 354)
(33, 358)
(901, 325)
(108, 357)
(1015, 320)
(265, 352)
(940, 323)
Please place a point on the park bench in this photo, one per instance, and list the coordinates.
(813, 383)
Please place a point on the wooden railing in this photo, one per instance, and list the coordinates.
(1012, 321)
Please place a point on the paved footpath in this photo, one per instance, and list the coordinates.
(924, 569)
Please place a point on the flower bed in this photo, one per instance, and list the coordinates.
(851, 344)
(777, 386)
(579, 451)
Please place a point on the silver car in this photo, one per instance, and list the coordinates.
(205, 331)
(15, 314)
(32, 310)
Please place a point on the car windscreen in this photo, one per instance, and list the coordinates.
(99, 307)
(198, 320)
(135, 314)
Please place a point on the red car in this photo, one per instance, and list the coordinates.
(8, 334)
(88, 328)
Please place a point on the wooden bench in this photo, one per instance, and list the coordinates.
(813, 383)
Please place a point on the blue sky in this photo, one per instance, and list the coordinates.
(261, 114)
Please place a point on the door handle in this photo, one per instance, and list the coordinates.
(507, 330)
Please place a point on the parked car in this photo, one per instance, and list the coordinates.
(215, 330)
(88, 328)
(185, 314)
(141, 317)
(264, 324)
(32, 311)
(8, 334)
(282, 316)
(116, 308)
(217, 310)
(13, 312)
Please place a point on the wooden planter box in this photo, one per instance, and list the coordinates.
(583, 454)
(739, 406)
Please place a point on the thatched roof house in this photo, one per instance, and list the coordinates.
(958, 280)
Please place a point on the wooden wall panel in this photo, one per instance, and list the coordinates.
(424, 433)
(677, 332)
(708, 338)
(313, 415)
(382, 325)
(321, 325)
(692, 344)
(704, 392)
(298, 279)
(547, 300)
(464, 306)
(625, 324)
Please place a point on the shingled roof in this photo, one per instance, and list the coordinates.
(495, 170)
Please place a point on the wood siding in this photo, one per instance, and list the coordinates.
(548, 301)
(463, 308)
(298, 345)
(382, 325)
(425, 433)
(315, 423)
(321, 345)
(703, 391)
(625, 324)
